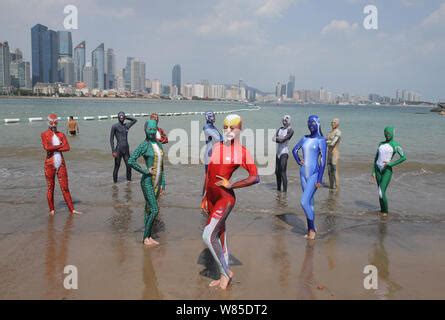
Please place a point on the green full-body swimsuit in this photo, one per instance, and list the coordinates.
(151, 182)
(383, 164)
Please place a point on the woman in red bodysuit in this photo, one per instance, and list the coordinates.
(219, 197)
(54, 143)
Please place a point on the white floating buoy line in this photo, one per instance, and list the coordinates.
(114, 116)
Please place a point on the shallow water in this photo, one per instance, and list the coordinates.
(265, 228)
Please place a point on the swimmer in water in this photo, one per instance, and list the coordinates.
(383, 164)
(122, 150)
(55, 142)
(282, 138)
(153, 179)
(311, 169)
(333, 141)
(72, 127)
(219, 198)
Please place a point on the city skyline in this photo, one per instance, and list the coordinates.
(275, 60)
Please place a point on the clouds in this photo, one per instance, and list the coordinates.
(274, 8)
(260, 41)
(436, 18)
(339, 26)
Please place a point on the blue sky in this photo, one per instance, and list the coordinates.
(322, 42)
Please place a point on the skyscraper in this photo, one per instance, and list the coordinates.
(79, 61)
(88, 75)
(291, 86)
(45, 52)
(65, 43)
(24, 75)
(110, 69)
(176, 78)
(66, 70)
(137, 76)
(127, 73)
(98, 64)
(5, 77)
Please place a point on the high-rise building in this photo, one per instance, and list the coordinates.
(137, 83)
(278, 90)
(79, 61)
(5, 77)
(66, 70)
(291, 86)
(156, 86)
(127, 73)
(110, 69)
(65, 43)
(120, 81)
(16, 56)
(98, 64)
(88, 76)
(24, 74)
(45, 53)
(217, 91)
(176, 78)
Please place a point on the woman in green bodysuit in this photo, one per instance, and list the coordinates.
(383, 164)
(153, 180)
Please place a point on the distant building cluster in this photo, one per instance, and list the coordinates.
(58, 69)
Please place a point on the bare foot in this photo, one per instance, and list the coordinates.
(215, 283)
(76, 212)
(150, 242)
(224, 282)
(231, 274)
(52, 212)
(310, 236)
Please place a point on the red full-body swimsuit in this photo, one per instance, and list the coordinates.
(54, 144)
(219, 201)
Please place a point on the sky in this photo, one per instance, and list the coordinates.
(322, 42)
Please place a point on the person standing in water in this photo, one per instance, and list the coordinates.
(383, 164)
(219, 197)
(311, 169)
(72, 127)
(212, 136)
(55, 142)
(282, 138)
(122, 150)
(333, 141)
(161, 135)
(153, 179)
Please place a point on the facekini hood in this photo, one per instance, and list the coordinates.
(389, 133)
(151, 128)
(313, 123)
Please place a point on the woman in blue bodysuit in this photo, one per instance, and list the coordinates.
(312, 168)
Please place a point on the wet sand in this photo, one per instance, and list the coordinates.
(270, 258)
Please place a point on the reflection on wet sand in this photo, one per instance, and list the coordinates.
(120, 220)
(306, 280)
(330, 225)
(56, 260)
(151, 289)
(386, 286)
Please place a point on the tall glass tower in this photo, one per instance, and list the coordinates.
(45, 52)
(176, 77)
(79, 61)
(65, 44)
(98, 63)
(109, 69)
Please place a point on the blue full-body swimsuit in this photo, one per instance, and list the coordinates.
(312, 168)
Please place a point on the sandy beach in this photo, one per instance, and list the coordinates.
(270, 257)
